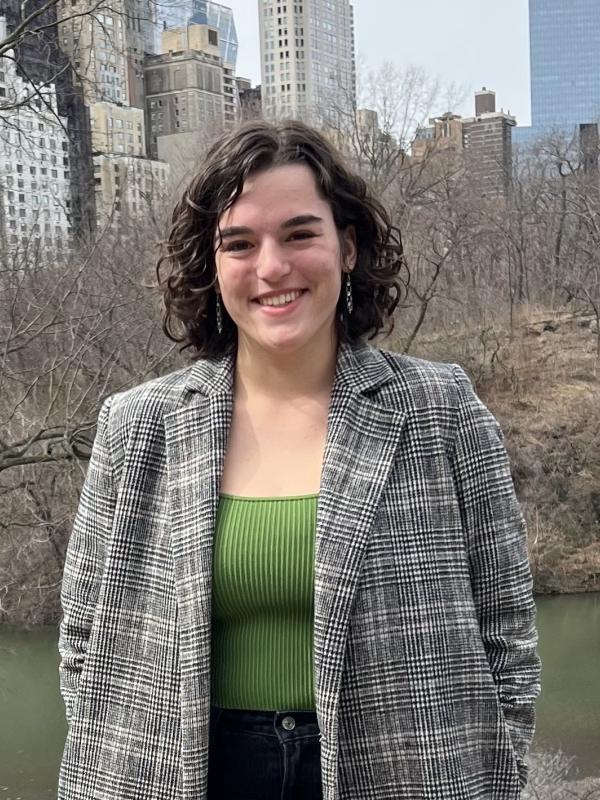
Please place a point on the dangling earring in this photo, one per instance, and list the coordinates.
(349, 303)
(219, 315)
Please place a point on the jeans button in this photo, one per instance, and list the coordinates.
(289, 723)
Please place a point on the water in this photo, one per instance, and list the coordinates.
(568, 711)
(32, 727)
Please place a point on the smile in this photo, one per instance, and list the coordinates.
(279, 299)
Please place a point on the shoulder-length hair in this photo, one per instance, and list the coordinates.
(186, 269)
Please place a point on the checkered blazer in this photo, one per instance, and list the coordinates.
(425, 660)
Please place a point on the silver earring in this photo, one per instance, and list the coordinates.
(219, 315)
(349, 303)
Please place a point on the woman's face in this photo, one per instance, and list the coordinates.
(280, 261)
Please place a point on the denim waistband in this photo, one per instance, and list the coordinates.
(266, 722)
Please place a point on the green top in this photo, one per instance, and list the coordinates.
(262, 603)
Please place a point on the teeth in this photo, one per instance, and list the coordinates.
(280, 299)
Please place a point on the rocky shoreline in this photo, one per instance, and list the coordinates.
(553, 776)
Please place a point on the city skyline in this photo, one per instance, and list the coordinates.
(471, 45)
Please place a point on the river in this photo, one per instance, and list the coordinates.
(32, 727)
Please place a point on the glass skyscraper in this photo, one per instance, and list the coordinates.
(176, 13)
(565, 63)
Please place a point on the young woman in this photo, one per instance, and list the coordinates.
(298, 569)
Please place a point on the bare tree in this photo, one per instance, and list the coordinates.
(69, 335)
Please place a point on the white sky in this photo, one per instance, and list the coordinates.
(471, 43)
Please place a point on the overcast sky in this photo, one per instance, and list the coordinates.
(472, 43)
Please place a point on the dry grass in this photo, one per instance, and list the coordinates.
(542, 383)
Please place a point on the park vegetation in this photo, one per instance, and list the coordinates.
(506, 284)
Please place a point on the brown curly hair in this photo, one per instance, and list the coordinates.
(187, 284)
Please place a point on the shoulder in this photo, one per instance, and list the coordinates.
(437, 395)
(420, 383)
(151, 399)
(135, 417)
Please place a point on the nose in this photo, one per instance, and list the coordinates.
(272, 262)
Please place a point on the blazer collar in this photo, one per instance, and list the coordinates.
(360, 367)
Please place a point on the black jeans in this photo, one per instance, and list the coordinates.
(264, 755)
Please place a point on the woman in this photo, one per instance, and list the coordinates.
(298, 567)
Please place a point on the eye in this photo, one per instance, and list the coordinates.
(235, 247)
(299, 235)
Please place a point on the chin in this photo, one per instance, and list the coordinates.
(286, 345)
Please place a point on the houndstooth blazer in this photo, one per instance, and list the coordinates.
(425, 660)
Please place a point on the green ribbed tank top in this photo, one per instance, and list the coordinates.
(262, 603)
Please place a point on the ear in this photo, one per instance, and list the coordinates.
(349, 248)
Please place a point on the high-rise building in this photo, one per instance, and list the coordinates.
(307, 59)
(127, 188)
(178, 13)
(483, 142)
(487, 144)
(117, 129)
(564, 47)
(106, 48)
(250, 99)
(35, 195)
(40, 60)
(184, 92)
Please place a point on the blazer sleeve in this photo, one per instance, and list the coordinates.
(84, 562)
(499, 566)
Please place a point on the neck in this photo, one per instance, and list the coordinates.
(263, 375)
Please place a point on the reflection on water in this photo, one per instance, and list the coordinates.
(32, 727)
(568, 711)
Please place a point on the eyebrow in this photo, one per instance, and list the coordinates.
(293, 222)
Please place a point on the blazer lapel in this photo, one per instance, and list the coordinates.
(362, 441)
(196, 440)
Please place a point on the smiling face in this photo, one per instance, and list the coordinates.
(280, 261)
